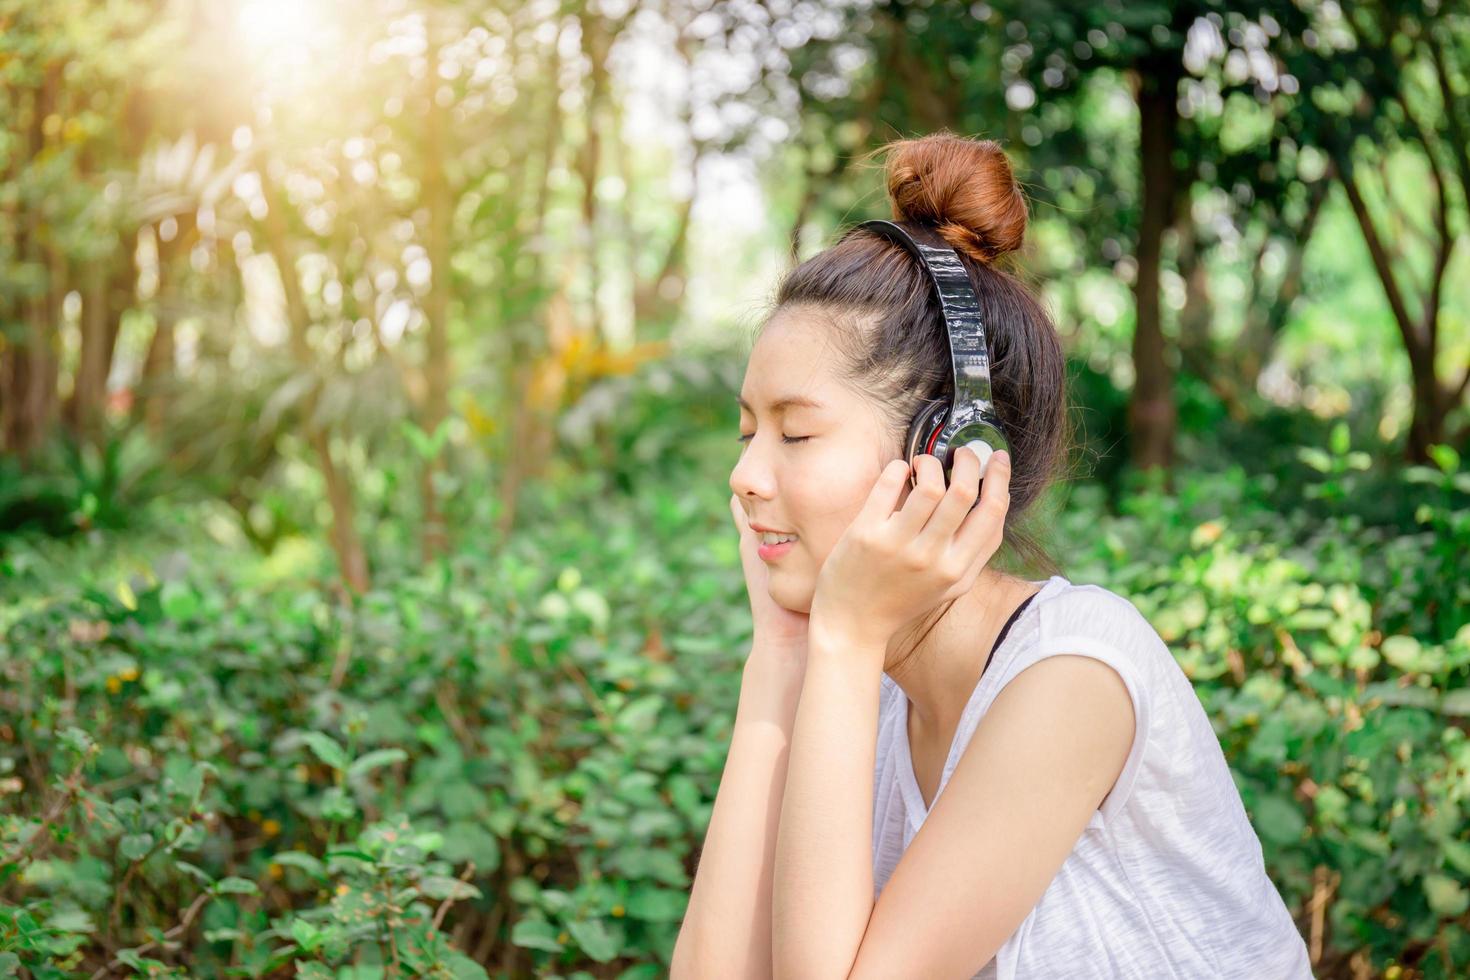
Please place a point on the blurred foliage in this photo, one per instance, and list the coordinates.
(367, 405)
(505, 757)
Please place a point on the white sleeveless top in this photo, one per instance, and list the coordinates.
(1168, 878)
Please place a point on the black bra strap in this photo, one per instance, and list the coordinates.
(1006, 629)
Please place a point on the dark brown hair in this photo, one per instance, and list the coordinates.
(889, 332)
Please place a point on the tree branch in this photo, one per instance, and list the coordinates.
(1342, 166)
(188, 918)
(1442, 243)
(1459, 142)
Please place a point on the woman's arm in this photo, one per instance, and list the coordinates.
(822, 894)
(727, 926)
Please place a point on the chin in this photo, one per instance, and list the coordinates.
(796, 600)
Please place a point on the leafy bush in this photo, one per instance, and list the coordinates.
(73, 486)
(504, 762)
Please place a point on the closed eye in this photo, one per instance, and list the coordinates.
(783, 438)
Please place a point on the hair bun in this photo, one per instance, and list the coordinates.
(963, 187)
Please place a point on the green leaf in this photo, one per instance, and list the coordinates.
(461, 967)
(374, 760)
(1445, 457)
(306, 935)
(142, 964)
(593, 936)
(657, 904)
(535, 934)
(442, 887)
(205, 878)
(133, 846)
(1403, 652)
(1447, 897)
(469, 841)
(348, 853)
(336, 805)
(1279, 820)
(179, 601)
(461, 800)
(425, 445)
(641, 714)
(591, 604)
(1457, 853)
(235, 886)
(1315, 458)
(327, 749)
(71, 920)
(185, 777)
(303, 861)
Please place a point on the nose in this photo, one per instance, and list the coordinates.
(752, 476)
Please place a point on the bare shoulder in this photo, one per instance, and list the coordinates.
(1041, 760)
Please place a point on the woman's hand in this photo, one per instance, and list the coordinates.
(777, 629)
(890, 566)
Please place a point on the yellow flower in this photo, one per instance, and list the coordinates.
(480, 423)
(618, 911)
(275, 871)
(271, 827)
(342, 889)
(114, 684)
(128, 673)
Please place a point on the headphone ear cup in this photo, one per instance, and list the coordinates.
(927, 421)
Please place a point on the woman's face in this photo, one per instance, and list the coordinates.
(814, 487)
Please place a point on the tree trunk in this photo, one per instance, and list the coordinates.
(29, 371)
(1152, 414)
(345, 540)
(595, 44)
(154, 389)
(1432, 401)
(524, 344)
(84, 410)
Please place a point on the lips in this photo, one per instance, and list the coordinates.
(770, 552)
(760, 528)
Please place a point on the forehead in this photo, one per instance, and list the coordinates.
(792, 365)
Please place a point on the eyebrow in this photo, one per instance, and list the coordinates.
(781, 404)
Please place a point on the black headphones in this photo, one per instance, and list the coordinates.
(942, 424)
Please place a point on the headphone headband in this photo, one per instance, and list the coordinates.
(971, 414)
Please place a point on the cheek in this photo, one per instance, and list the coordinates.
(824, 519)
(824, 496)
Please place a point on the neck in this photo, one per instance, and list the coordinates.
(939, 657)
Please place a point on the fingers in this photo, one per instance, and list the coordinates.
(983, 527)
(959, 498)
(928, 491)
(883, 498)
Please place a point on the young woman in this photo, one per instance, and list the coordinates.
(940, 769)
